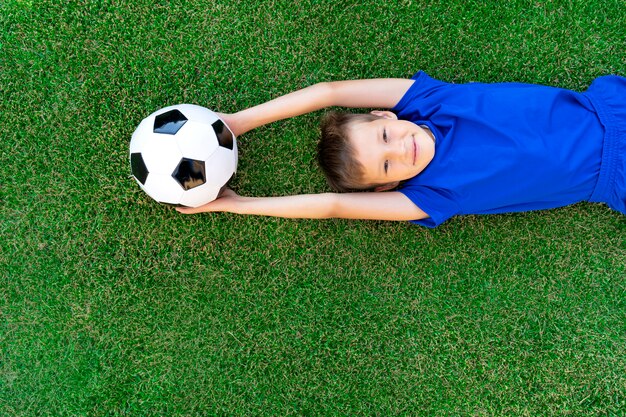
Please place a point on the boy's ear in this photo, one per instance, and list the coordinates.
(385, 114)
(387, 187)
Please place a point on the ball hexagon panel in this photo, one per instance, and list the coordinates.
(142, 136)
(162, 155)
(220, 167)
(198, 142)
(163, 188)
(199, 196)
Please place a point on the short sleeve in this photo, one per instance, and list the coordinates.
(440, 205)
(422, 87)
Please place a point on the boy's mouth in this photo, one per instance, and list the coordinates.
(414, 150)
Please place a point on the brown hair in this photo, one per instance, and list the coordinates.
(335, 153)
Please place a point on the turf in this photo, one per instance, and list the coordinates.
(112, 305)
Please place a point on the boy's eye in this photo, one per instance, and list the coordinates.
(385, 135)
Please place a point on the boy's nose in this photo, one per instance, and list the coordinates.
(398, 148)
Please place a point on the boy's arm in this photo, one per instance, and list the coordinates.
(391, 205)
(379, 93)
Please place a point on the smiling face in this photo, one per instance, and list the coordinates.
(390, 150)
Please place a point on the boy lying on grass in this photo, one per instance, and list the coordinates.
(449, 149)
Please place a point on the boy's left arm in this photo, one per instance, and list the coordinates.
(378, 93)
(390, 205)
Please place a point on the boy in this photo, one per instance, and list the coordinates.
(452, 148)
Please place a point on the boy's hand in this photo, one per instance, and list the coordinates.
(231, 121)
(224, 202)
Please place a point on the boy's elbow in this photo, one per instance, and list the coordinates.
(327, 93)
(322, 94)
(343, 206)
(331, 207)
(324, 86)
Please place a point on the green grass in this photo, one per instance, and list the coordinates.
(111, 305)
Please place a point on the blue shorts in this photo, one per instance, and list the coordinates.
(608, 95)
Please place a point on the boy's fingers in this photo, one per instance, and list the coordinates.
(187, 210)
(215, 205)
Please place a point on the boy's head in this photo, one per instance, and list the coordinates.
(374, 151)
(335, 151)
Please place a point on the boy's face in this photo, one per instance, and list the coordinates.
(390, 150)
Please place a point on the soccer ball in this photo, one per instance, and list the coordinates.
(183, 155)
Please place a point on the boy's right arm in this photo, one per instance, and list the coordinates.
(378, 93)
(391, 205)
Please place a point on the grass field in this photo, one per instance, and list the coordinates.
(112, 305)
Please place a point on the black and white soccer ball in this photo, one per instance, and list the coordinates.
(183, 155)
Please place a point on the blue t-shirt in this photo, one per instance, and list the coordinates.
(501, 147)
